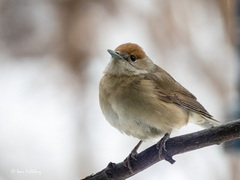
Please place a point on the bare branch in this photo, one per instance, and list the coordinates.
(176, 145)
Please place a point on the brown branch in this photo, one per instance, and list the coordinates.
(176, 145)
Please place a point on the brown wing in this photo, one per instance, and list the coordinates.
(171, 91)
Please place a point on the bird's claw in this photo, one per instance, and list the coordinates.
(162, 151)
(127, 161)
(132, 155)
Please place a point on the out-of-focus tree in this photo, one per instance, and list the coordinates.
(197, 35)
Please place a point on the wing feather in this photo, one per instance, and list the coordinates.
(169, 90)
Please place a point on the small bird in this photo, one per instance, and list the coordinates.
(142, 100)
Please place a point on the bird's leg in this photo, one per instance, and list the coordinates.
(132, 155)
(162, 151)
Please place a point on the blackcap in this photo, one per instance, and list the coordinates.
(142, 100)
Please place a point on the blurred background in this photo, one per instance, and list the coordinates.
(53, 53)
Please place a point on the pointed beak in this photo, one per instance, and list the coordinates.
(114, 54)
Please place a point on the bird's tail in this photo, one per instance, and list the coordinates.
(203, 121)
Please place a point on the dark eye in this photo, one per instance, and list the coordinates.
(133, 58)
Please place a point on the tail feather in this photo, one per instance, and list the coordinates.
(203, 121)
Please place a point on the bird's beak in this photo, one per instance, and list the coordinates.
(114, 54)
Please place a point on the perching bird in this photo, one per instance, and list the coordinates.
(142, 100)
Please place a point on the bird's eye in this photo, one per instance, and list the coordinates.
(133, 58)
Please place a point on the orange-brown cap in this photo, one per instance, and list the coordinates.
(131, 49)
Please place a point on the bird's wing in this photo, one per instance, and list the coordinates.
(171, 91)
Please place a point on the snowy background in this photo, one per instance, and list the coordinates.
(52, 55)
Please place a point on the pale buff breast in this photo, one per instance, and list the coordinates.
(139, 117)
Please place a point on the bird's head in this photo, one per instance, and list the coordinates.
(129, 59)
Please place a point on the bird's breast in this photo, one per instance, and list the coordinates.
(136, 110)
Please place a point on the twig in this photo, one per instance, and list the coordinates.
(176, 145)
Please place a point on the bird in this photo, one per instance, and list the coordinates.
(142, 100)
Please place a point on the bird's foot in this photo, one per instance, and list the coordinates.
(162, 151)
(127, 161)
(132, 155)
